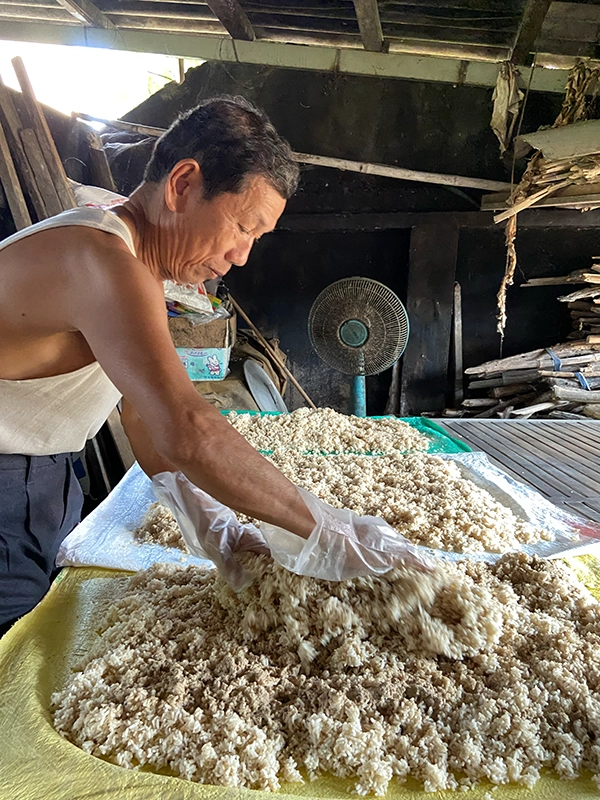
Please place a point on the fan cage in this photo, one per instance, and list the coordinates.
(374, 305)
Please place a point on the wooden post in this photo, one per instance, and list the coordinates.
(100, 171)
(457, 345)
(391, 407)
(12, 187)
(46, 142)
(432, 267)
(43, 177)
(12, 127)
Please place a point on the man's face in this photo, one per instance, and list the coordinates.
(207, 237)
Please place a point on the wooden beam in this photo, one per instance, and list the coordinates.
(85, 11)
(464, 52)
(44, 137)
(429, 303)
(43, 178)
(566, 47)
(530, 28)
(401, 220)
(369, 24)
(234, 18)
(370, 222)
(12, 187)
(321, 58)
(12, 127)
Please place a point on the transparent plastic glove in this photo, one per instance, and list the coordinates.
(342, 545)
(210, 529)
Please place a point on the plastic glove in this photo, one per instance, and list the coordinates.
(210, 529)
(342, 545)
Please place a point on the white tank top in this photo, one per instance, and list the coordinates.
(46, 416)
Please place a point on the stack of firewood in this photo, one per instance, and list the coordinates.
(32, 175)
(561, 381)
(583, 304)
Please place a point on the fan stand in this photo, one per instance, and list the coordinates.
(354, 333)
(359, 396)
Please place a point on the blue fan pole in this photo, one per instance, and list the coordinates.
(359, 396)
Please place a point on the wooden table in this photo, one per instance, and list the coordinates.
(560, 458)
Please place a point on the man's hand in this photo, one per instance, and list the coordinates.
(210, 529)
(342, 545)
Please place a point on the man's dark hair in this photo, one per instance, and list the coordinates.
(232, 141)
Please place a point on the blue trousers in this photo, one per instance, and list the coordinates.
(40, 503)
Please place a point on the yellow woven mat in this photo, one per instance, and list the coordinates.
(36, 657)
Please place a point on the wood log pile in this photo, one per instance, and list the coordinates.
(562, 381)
(33, 181)
(584, 303)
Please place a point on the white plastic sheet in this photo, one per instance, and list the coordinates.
(105, 537)
(573, 535)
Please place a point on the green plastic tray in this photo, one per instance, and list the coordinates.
(439, 440)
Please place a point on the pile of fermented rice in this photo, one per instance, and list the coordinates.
(159, 526)
(325, 430)
(424, 497)
(475, 672)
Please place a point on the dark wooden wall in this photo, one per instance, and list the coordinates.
(340, 224)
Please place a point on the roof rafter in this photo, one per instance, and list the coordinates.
(530, 28)
(234, 19)
(86, 11)
(369, 24)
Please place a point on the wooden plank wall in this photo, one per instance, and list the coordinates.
(432, 269)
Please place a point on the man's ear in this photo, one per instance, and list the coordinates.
(184, 181)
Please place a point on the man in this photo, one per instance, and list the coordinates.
(82, 322)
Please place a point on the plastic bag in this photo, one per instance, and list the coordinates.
(191, 296)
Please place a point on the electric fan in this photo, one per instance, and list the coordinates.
(359, 327)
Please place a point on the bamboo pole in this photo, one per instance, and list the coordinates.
(270, 350)
(400, 173)
(382, 170)
(121, 125)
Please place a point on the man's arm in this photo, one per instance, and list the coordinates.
(119, 308)
(141, 443)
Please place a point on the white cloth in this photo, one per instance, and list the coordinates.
(45, 416)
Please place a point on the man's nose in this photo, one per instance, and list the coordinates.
(239, 254)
